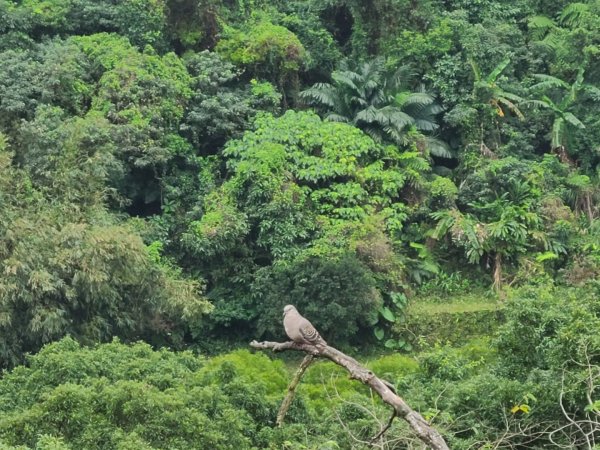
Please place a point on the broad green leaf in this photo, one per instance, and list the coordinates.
(390, 343)
(387, 314)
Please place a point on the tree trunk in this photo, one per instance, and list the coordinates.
(497, 272)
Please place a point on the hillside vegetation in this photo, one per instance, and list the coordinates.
(420, 178)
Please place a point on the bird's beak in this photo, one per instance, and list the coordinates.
(283, 315)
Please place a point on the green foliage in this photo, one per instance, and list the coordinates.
(566, 98)
(141, 399)
(70, 270)
(267, 49)
(510, 208)
(219, 109)
(148, 153)
(377, 102)
(319, 287)
(433, 324)
(300, 198)
(55, 72)
(143, 95)
(559, 321)
(141, 21)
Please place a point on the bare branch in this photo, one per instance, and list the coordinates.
(419, 425)
(291, 390)
(387, 427)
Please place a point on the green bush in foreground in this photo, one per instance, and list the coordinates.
(131, 397)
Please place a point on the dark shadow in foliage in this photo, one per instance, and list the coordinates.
(337, 294)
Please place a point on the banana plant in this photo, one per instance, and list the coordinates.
(561, 97)
(488, 90)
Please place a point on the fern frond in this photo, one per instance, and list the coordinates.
(552, 41)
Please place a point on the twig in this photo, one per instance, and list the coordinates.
(387, 427)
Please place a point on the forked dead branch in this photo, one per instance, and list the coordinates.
(429, 435)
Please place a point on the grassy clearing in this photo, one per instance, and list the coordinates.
(455, 307)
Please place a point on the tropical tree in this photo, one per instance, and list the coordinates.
(492, 99)
(561, 98)
(378, 102)
(491, 92)
(505, 212)
(510, 232)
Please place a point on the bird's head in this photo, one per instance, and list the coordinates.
(288, 308)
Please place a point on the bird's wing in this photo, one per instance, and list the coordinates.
(310, 333)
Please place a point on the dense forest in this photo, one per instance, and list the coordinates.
(420, 178)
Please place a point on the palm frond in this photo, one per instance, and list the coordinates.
(321, 94)
(395, 135)
(571, 16)
(397, 117)
(422, 124)
(414, 98)
(373, 70)
(370, 115)
(347, 79)
(333, 117)
(539, 26)
(371, 85)
(548, 81)
(435, 108)
(437, 147)
(358, 101)
(376, 133)
(536, 103)
(401, 77)
(592, 91)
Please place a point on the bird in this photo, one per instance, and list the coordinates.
(299, 329)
